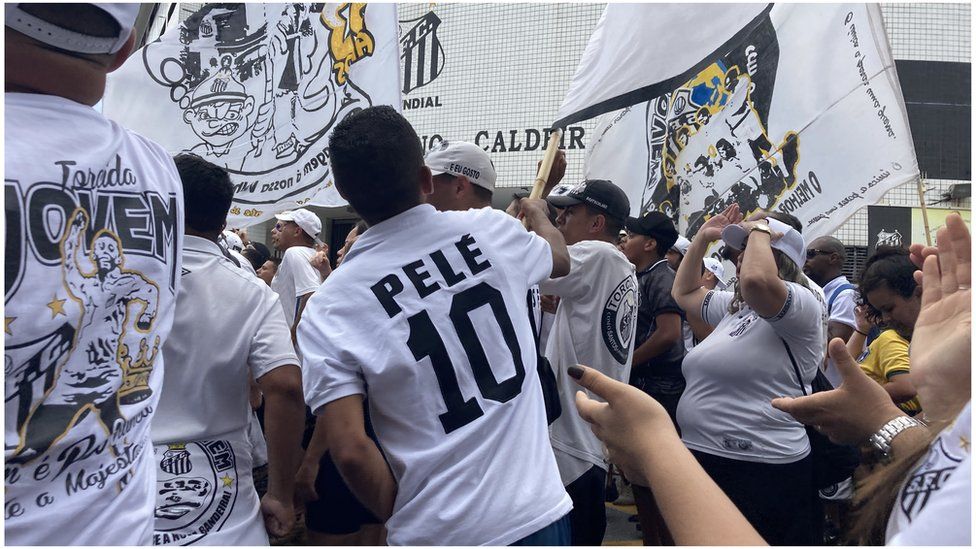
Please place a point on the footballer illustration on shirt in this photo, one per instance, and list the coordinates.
(113, 301)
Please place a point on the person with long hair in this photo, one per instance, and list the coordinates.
(769, 331)
(920, 497)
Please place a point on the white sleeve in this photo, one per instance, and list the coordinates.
(715, 306)
(947, 517)
(802, 315)
(843, 309)
(271, 346)
(517, 246)
(329, 371)
(304, 275)
(577, 282)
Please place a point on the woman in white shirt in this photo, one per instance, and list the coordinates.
(922, 497)
(758, 455)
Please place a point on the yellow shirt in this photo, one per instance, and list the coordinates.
(886, 357)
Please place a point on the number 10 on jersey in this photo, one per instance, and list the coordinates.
(425, 341)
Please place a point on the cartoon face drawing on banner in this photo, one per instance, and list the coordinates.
(196, 490)
(260, 85)
(709, 141)
(109, 376)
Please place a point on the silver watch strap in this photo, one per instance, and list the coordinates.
(881, 441)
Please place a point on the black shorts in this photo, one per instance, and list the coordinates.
(337, 511)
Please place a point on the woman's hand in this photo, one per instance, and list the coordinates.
(861, 319)
(629, 423)
(712, 229)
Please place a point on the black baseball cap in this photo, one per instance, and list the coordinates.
(654, 224)
(598, 194)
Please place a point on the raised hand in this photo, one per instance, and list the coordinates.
(628, 423)
(850, 413)
(941, 346)
(712, 229)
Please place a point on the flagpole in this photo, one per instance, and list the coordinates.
(925, 211)
(551, 149)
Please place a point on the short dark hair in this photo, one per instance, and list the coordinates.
(256, 254)
(888, 266)
(376, 160)
(207, 192)
(789, 219)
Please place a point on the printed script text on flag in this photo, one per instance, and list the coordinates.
(257, 89)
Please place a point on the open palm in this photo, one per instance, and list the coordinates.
(942, 336)
(712, 229)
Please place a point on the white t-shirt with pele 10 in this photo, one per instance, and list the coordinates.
(92, 260)
(734, 373)
(428, 315)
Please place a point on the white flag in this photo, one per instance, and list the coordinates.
(801, 112)
(257, 89)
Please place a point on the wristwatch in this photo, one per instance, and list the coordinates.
(881, 441)
(761, 227)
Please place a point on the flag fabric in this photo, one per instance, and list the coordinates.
(257, 89)
(800, 111)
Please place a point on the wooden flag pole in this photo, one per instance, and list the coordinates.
(925, 211)
(551, 149)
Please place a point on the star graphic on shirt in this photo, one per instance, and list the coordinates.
(7, 321)
(57, 307)
(964, 442)
(228, 480)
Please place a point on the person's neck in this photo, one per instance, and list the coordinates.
(832, 277)
(32, 69)
(646, 262)
(213, 236)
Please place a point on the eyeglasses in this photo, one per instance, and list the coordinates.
(813, 252)
(279, 225)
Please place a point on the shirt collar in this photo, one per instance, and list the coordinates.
(841, 279)
(202, 245)
(652, 267)
(416, 216)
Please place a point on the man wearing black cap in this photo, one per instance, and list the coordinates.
(658, 348)
(594, 325)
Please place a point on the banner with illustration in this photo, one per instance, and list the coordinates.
(257, 89)
(800, 112)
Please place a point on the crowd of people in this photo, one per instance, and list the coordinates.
(460, 375)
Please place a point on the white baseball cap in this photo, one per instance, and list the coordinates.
(233, 241)
(43, 31)
(716, 268)
(681, 245)
(462, 159)
(309, 222)
(791, 243)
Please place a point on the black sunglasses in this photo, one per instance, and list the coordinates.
(813, 252)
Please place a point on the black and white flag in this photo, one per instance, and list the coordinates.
(257, 89)
(792, 107)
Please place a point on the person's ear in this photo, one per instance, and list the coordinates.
(598, 224)
(123, 54)
(462, 185)
(426, 181)
(650, 244)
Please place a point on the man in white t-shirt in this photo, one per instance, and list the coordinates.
(595, 325)
(202, 448)
(92, 262)
(428, 318)
(294, 235)
(825, 259)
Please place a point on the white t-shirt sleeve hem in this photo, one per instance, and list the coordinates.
(334, 393)
(275, 364)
